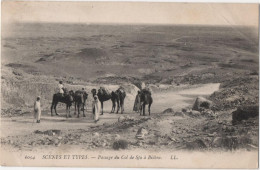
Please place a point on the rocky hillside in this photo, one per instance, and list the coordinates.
(20, 89)
(240, 91)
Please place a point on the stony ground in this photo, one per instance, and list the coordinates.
(170, 131)
(177, 128)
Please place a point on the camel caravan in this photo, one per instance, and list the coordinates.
(79, 97)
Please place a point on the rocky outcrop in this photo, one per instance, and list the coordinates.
(173, 113)
(241, 91)
(125, 118)
(201, 103)
(19, 91)
(244, 113)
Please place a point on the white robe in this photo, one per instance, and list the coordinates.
(60, 88)
(37, 110)
(143, 85)
(96, 106)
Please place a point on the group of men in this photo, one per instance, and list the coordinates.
(95, 105)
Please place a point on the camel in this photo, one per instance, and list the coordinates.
(145, 99)
(66, 98)
(116, 97)
(80, 98)
(119, 97)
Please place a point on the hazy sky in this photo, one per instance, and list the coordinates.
(131, 12)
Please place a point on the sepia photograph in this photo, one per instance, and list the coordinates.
(129, 84)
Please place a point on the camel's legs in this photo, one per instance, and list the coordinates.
(143, 109)
(55, 105)
(149, 108)
(52, 108)
(83, 110)
(66, 111)
(113, 106)
(69, 111)
(118, 105)
(75, 108)
(78, 110)
(101, 108)
(122, 106)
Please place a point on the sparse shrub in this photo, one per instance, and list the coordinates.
(254, 73)
(184, 110)
(120, 144)
(205, 105)
(17, 73)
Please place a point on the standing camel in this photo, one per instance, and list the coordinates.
(66, 98)
(145, 99)
(80, 98)
(116, 97)
(119, 98)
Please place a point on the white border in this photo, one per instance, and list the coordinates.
(190, 1)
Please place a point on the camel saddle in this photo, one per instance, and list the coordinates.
(104, 92)
(146, 91)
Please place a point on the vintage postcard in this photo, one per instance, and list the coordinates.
(129, 84)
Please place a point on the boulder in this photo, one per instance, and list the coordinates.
(141, 133)
(169, 110)
(120, 144)
(244, 113)
(129, 117)
(121, 118)
(217, 142)
(208, 113)
(194, 113)
(181, 114)
(125, 118)
(201, 103)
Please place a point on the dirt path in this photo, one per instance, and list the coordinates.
(162, 100)
(81, 132)
(24, 125)
(181, 99)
